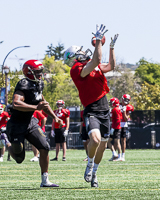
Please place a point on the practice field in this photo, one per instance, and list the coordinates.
(136, 178)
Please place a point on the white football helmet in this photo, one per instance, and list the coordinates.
(60, 104)
(75, 53)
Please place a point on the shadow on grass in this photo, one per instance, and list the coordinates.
(42, 188)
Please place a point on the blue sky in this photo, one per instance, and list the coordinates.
(39, 23)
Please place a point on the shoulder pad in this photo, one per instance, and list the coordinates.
(23, 84)
(129, 108)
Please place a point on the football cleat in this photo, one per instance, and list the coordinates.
(88, 173)
(34, 159)
(113, 158)
(54, 159)
(46, 182)
(94, 182)
(1, 159)
(118, 159)
(122, 159)
(63, 159)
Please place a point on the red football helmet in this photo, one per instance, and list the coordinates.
(114, 101)
(32, 69)
(1, 108)
(129, 108)
(126, 98)
(60, 104)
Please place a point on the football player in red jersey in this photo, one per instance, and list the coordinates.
(60, 133)
(22, 125)
(42, 121)
(4, 117)
(115, 131)
(88, 76)
(126, 109)
(84, 135)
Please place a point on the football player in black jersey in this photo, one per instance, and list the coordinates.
(27, 98)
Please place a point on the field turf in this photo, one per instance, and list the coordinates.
(137, 178)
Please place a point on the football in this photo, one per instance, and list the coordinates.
(93, 41)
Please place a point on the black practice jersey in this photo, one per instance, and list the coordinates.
(33, 95)
(98, 108)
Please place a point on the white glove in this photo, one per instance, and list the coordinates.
(3, 129)
(100, 32)
(113, 41)
(52, 133)
(65, 133)
(111, 131)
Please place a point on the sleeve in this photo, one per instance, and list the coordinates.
(67, 113)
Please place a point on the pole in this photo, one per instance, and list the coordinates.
(6, 99)
(7, 56)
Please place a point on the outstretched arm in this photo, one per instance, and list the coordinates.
(112, 60)
(97, 55)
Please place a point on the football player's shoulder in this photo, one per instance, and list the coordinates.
(66, 111)
(23, 84)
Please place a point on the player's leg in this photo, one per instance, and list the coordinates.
(36, 153)
(2, 153)
(37, 138)
(85, 139)
(123, 142)
(64, 147)
(117, 134)
(111, 147)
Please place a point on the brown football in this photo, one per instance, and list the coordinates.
(93, 41)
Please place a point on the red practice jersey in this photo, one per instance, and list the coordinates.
(3, 119)
(92, 87)
(82, 120)
(129, 109)
(61, 114)
(116, 116)
(38, 114)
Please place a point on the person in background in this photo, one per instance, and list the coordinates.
(126, 110)
(4, 117)
(88, 76)
(84, 135)
(115, 131)
(60, 133)
(41, 122)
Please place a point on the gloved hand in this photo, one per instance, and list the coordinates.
(100, 32)
(113, 41)
(52, 133)
(65, 133)
(111, 131)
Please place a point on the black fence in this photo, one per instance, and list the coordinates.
(144, 130)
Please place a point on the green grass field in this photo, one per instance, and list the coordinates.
(136, 178)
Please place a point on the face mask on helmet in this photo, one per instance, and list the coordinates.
(60, 104)
(126, 98)
(114, 102)
(75, 53)
(32, 69)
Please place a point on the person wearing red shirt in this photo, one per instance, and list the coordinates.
(4, 117)
(84, 135)
(88, 76)
(115, 131)
(60, 133)
(126, 109)
(42, 121)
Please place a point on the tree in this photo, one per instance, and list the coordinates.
(148, 72)
(60, 84)
(57, 51)
(148, 98)
(126, 83)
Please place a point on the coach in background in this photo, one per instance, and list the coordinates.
(22, 125)
(60, 133)
(88, 76)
